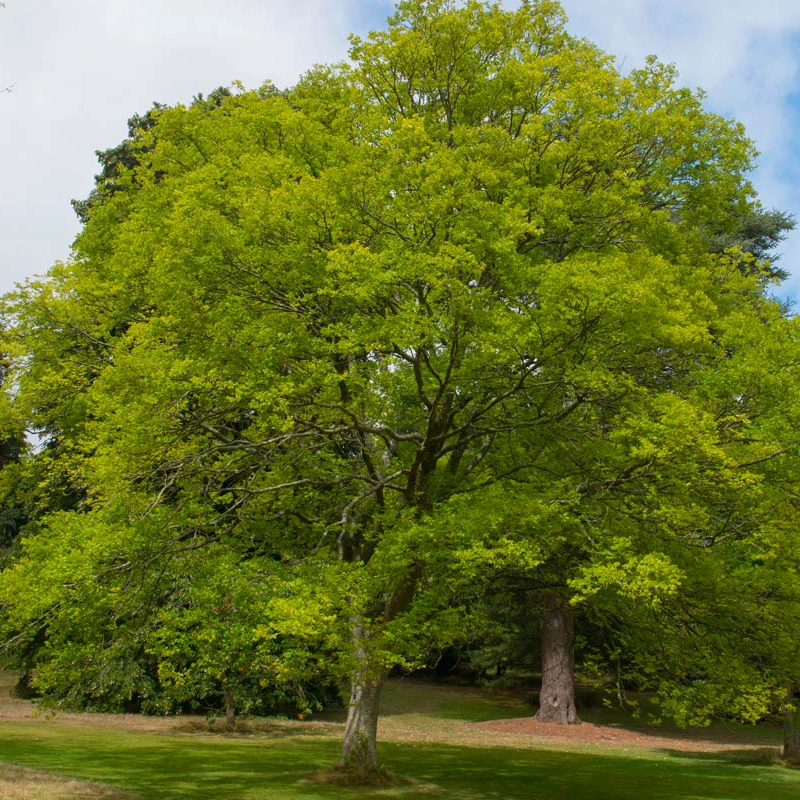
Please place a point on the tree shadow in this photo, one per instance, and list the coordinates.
(745, 757)
(258, 727)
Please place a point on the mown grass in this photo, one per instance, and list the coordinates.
(281, 764)
(22, 783)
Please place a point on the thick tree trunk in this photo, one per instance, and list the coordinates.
(791, 730)
(359, 751)
(557, 698)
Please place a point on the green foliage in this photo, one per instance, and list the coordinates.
(450, 311)
(757, 234)
(117, 160)
(137, 627)
(12, 446)
(255, 638)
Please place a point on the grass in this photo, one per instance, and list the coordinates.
(21, 783)
(424, 739)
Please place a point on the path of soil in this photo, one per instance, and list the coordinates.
(616, 736)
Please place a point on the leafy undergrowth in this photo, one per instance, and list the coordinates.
(427, 738)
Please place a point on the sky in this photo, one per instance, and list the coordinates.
(77, 69)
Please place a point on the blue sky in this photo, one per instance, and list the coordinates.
(744, 54)
(81, 68)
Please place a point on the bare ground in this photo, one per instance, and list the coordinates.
(415, 723)
(523, 731)
(619, 737)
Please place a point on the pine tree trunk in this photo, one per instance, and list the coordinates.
(359, 751)
(791, 730)
(557, 697)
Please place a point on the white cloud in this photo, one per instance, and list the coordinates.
(745, 55)
(83, 67)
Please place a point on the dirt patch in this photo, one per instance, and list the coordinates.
(614, 736)
(12, 707)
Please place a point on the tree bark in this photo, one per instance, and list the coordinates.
(359, 750)
(230, 710)
(791, 730)
(557, 697)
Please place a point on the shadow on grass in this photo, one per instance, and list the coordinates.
(202, 768)
(718, 733)
(554, 775)
(258, 727)
(444, 701)
(453, 702)
(747, 757)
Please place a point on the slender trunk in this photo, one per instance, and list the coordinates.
(230, 710)
(791, 730)
(557, 697)
(359, 751)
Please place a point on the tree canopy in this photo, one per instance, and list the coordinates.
(464, 302)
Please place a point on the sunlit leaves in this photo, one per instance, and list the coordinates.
(440, 314)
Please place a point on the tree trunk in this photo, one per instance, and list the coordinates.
(359, 751)
(791, 730)
(557, 698)
(230, 710)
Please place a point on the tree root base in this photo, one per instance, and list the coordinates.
(350, 776)
(554, 720)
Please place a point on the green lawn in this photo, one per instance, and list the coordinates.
(277, 766)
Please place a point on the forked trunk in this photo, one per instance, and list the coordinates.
(791, 730)
(359, 751)
(557, 698)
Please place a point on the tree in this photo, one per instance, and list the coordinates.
(115, 160)
(748, 247)
(757, 234)
(407, 319)
(125, 156)
(706, 614)
(243, 634)
(11, 448)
